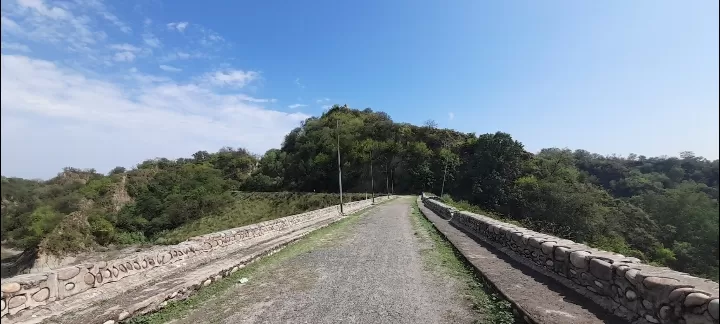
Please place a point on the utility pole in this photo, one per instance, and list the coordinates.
(337, 128)
(392, 183)
(387, 183)
(372, 178)
(443, 184)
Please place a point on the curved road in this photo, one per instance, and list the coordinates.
(369, 270)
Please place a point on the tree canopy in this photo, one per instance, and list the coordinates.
(660, 209)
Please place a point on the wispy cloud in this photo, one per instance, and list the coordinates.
(451, 115)
(151, 40)
(54, 97)
(179, 26)
(37, 21)
(15, 47)
(125, 52)
(293, 106)
(116, 21)
(231, 78)
(169, 68)
(300, 85)
(194, 117)
(124, 57)
(321, 100)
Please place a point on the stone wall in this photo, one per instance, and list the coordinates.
(25, 292)
(622, 285)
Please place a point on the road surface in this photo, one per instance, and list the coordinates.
(370, 270)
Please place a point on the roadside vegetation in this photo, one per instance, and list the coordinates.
(660, 209)
(444, 259)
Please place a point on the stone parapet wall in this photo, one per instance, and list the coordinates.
(622, 285)
(29, 291)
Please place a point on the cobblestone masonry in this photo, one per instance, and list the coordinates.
(27, 292)
(622, 285)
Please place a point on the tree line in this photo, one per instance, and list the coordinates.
(663, 210)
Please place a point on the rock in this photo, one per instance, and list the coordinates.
(601, 269)
(243, 280)
(695, 299)
(109, 322)
(17, 301)
(68, 273)
(579, 259)
(651, 319)
(69, 286)
(657, 282)
(41, 294)
(123, 315)
(713, 309)
(549, 263)
(10, 287)
(647, 304)
(2, 304)
(598, 283)
(679, 294)
(665, 312)
(206, 282)
(89, 279)
(631, 275)
(561, 253)
(630, 295)
(547, 248)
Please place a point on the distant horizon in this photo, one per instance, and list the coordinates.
(101, 83)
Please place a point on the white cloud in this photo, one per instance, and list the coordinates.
(125, 47)
(451, 115)
(321, 100)
(147, 22)
(169, 68)
(37, 21)
(59, 108)
(179, 26)
(8, 24)
(296, 106)
(151, 40)
(124, 57)
(232, 78)
(300, 85)
(116, 21)
(15, 47)
(42, 9)
(326, 107)
(179, 56)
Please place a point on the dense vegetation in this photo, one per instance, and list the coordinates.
(160, 201)
(660, 209)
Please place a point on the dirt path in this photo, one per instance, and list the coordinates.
(370, 270)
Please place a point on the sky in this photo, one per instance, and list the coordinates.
(98, 84)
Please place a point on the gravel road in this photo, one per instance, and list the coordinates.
(370, 271)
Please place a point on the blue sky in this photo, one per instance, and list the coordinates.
(95, 84)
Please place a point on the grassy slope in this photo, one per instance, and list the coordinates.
(255, 207)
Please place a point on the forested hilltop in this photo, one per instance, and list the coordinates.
(661, 209)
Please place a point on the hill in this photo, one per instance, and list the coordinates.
(660, 209)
